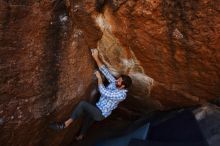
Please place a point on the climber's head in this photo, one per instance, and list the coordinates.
(123, 82)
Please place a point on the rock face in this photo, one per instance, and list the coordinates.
(176, 43)
(170, 48)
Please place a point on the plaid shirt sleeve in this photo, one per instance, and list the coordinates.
(111, 94)
(107, 74)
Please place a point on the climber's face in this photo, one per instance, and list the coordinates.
(119, 83)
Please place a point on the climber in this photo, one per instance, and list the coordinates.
(110, 97)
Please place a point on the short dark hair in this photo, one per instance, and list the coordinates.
(126, 81)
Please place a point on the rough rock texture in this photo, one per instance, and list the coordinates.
(43, 69)
(176, 43)
(170, 48)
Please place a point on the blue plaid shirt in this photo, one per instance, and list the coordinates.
(111, 96)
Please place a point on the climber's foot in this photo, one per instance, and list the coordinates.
(57, 126)
(80, 137)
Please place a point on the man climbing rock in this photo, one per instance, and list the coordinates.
(111, 96)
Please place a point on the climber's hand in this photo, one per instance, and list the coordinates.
(95, 53)
(98, 75)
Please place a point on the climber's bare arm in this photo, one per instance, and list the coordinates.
(105, 71)
(95, 55)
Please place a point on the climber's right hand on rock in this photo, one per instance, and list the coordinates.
(95, 53)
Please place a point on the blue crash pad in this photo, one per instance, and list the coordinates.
(181, 128)
(140, 133)
(138, 142)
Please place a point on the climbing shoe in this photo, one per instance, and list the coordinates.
(57, 126)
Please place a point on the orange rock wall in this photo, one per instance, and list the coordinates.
(170, 49)
(176, 43)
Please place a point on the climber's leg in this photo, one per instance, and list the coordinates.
(91, 115)
(82, 108)
(88, 109)
(88, 121)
